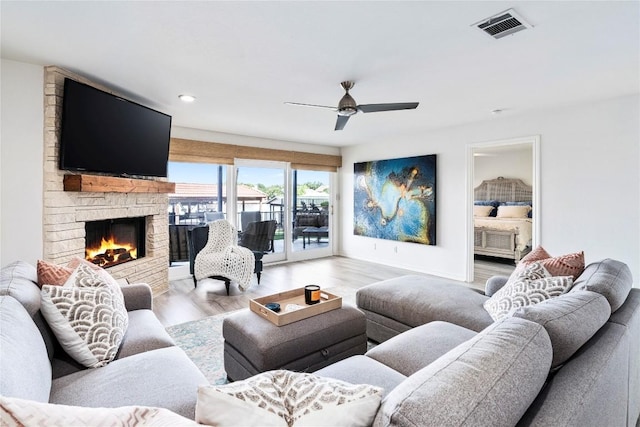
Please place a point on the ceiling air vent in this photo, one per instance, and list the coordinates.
(503, 24)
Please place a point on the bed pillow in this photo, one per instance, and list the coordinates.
(284, 398)
(520, 204)
(505, 211)
(532, 286)
(482, 211)
(564, 265)
(493, 203)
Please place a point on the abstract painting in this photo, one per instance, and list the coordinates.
(396, 199)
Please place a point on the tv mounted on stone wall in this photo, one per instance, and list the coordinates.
(105, 133)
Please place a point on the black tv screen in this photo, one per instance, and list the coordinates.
(102, 132)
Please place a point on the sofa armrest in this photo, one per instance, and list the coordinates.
(494, 284)
(137, 296)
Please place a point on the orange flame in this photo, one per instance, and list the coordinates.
(111, 244)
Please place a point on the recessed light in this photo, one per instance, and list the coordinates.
(187, 98)
(496, 111)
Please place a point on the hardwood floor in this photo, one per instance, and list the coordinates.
(183, 303)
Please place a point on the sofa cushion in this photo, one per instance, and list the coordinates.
(608, 277)
(411, 351)
(144, 333)
(490, 380)
(165, 378)
(286, 398)
(19, 280)
(363, 370)
(20, 412)
(532, 286)
(25, 371)
(570, 320)
(415, 300)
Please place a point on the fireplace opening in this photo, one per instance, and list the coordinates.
(115, 241)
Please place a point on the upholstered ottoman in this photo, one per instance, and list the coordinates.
(396, 305)
(253, 344)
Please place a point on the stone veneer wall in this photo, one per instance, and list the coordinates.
(65, 212)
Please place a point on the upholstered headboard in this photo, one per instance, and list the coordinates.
(503, 190)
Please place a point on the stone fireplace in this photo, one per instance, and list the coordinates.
(66, 213)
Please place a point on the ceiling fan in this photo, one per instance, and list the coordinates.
(347, 106)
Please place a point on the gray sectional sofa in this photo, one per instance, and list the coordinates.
(570, 361)
(573, 360)
(149, 369)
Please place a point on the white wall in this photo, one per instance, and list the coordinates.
(21, 161)
(508, 164)
(590, 186)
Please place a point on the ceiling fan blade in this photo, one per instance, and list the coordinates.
(372, 108)
(342, 120)
(297, 104)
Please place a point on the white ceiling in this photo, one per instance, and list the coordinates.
(243, 60)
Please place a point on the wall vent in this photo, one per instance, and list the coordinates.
(503, 24)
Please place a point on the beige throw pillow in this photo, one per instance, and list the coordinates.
(285, 398)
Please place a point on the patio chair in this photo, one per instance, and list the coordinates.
(214, 253)
(259, 239)
(247, 217)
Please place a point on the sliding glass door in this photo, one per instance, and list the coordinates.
(261, 199)
(311, 209)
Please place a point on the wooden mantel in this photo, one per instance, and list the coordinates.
(110, 184)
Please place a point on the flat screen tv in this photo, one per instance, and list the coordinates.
(102, 132)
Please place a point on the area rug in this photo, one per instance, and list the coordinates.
(202, 339)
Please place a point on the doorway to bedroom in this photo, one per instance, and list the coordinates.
(503, 214)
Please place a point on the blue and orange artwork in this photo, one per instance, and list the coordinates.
(396, 199)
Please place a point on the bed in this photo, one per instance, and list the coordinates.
(502, 218)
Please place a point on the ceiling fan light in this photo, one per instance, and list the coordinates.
(347, 111)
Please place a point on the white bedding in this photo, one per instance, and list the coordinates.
(523, 225)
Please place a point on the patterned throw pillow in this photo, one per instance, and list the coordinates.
(99, 272)
(285, 398)
(87, 316)
(533, 285)
(52, 274)
(16, 412)
(564, 265)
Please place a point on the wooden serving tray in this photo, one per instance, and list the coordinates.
(328, 302)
